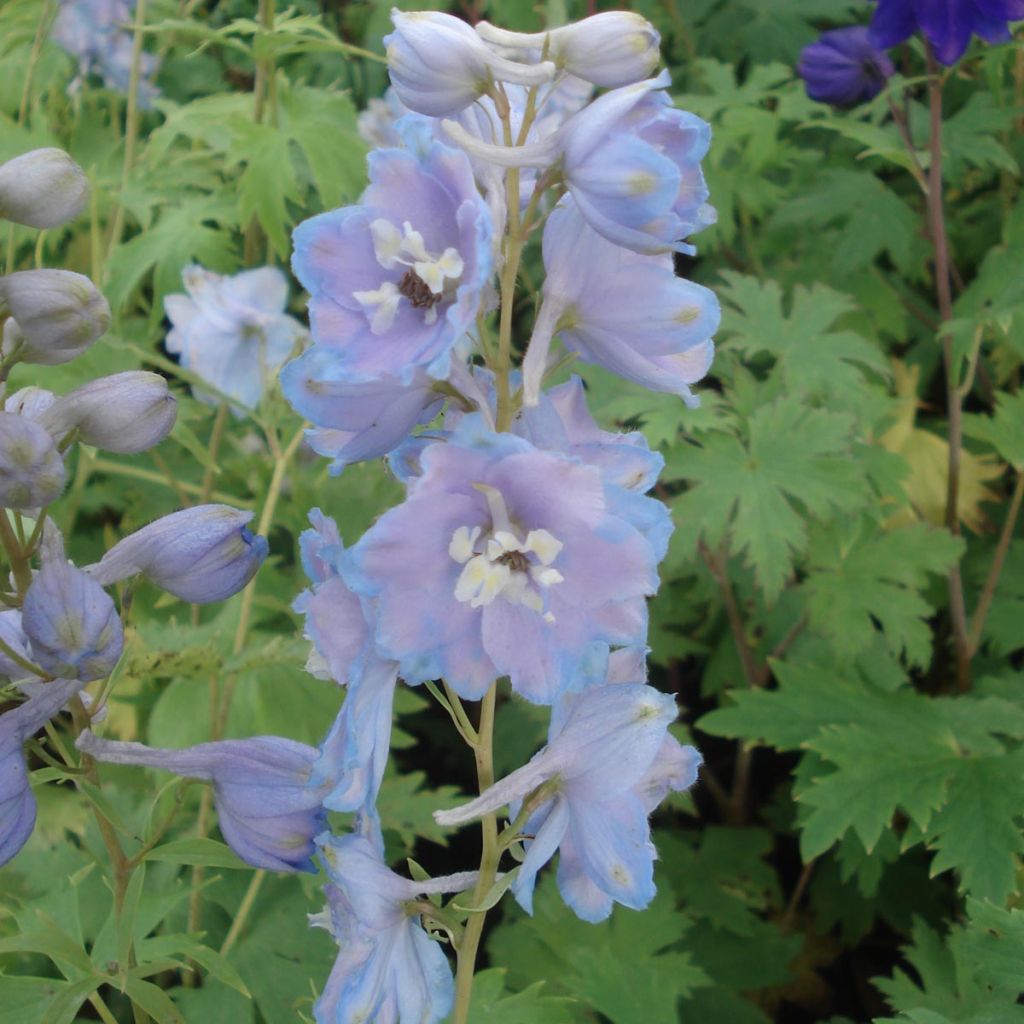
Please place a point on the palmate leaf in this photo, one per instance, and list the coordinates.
(811, 356)
(1004, 429)
(493, 1005)
(879, 578)
(597, 964)
(760, 489)
(872, 219)
(976, 832)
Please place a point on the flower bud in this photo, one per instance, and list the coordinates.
(610, 49)
(268, 812)
(123, 413)
(42, 188)
(31, 402)
(72, 626)
(199, 554)
(59, 313)
(439, 65)
(31, 469)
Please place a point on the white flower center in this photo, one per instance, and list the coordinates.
(503, 563)
(424, 282)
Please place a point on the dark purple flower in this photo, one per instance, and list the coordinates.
(843, 68)
(946, 24)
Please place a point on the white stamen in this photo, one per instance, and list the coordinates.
(501, 563)
(384, 303)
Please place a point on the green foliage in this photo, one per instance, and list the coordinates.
(854, 850)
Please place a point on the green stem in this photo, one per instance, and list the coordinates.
(42, 31)
(15, 555)
(131, 125)
(489, 858)
(123, 469)
(242, 914)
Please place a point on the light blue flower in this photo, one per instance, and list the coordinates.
(388, 970)
(98, 34)
(355, 421)
(625, 311)
(397, 280)
(201, 554)
(632, 163)
(17, 804)
(354, 754)
(505, 560)
(31, 469)
(232, 332)
(609, 762)
(268, 813)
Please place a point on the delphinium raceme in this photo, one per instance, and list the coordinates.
(61, 631)
(520, 562)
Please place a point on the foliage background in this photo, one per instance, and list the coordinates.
(853, 851)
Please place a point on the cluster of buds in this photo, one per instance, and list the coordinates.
(59, 628)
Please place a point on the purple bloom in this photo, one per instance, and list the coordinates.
(397, 280)
(625, 311)
(354, 754)
(71, 623)
(376, 124)
(505, 560)
(608, 763)
(17, 804)
(389, 970)
(201, 554)
(843, 68)
(355, 421)
(14, 636)
(268, 813)
(946, 24)
(232, 332)
(31, 469)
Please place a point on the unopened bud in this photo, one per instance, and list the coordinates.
(439, 65)
(72, 625)
(31, 469)
(42, 189)
(59, 314)
(123, 413)
(611, 49)
(200, 554)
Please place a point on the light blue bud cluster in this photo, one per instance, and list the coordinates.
(61, 629)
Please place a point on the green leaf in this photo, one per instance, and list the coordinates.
(795, 464)
(64, 1007)
(1004, 429)
(216, 965)
(879, 578)
(153, 1000)
(268, 181)
(811, 355)
(877, 772)
(197, 850)
(976, 832)
(23, 1000)
(493, 1005)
